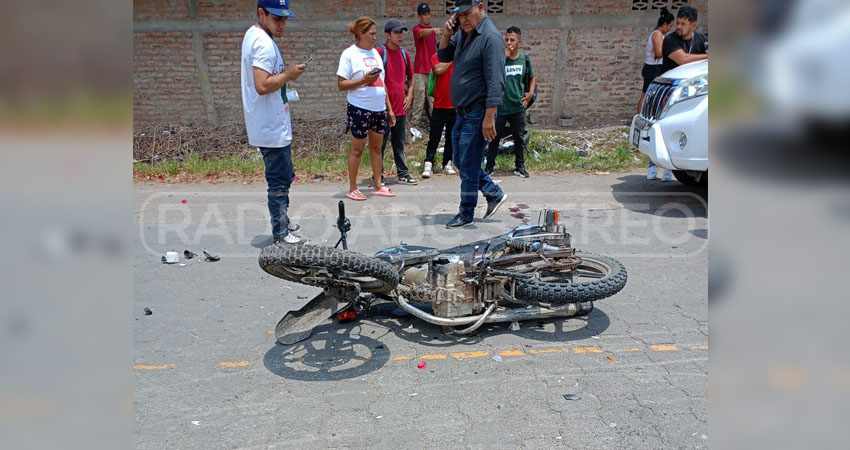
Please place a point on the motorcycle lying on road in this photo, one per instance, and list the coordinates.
(529, 273)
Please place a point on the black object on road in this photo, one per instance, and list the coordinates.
(148, 311)
(188, 255)
(571, 397)
(211, 256)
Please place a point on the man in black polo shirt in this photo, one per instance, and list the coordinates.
(685, 45)
(477, 85)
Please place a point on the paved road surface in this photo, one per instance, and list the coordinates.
(209, 375)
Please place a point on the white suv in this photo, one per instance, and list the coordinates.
(672, 127)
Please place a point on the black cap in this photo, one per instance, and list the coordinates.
(465, 5)
(423, 8)
(394, 25)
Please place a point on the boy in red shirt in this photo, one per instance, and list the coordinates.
(399, 83)
(443, 116)
(425, 37)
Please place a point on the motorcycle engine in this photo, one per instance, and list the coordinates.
(440, 282)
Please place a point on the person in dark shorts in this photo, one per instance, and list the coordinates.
(652, 69)
(370, 115)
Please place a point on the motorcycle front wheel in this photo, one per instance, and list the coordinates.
(300, 263)
(593, 278)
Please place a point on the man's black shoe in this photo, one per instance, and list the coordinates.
(521, 172)
(457, 222)
(493, 206)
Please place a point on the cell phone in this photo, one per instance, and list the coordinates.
(309, 59)
(456, 23)
(375, 71)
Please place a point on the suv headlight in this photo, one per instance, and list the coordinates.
(686, 90)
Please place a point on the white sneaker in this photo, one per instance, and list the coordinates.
(449, 169)
(426, 173)
(289, 238)
(668, 175)
(652, 173)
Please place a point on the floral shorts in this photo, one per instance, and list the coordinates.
(360, 121)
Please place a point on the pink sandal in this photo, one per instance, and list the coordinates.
(383, 192)
(356, 195)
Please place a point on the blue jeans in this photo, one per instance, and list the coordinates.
(279, 177)
(469, 144)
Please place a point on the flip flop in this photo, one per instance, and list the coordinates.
(356, 195)
(384, 192)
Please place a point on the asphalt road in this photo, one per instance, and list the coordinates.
(208, 373)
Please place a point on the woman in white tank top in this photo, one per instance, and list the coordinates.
(652, 68)
(654, 58)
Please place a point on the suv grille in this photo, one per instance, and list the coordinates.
(657, 95)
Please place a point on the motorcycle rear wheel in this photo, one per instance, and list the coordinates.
(595, 278)
(300, 262)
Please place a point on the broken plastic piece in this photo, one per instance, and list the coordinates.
(497, 358)
(211, 256)
(422, 365)
(148, 311)
(188, 255)
(571, 397)
(171, 257)
(356, 337)
(514, 326)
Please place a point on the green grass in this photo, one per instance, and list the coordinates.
(547, 151)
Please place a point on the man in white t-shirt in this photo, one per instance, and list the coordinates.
(264, 102)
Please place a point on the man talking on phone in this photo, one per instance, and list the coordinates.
(478, 52)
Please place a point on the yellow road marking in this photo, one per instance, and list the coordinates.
(144, 367)
(435, 356)
(635, 349)
(548, 350)
(234, 364)
(511, 353)
(664, 348)
(401, 358)
(587, 350)
(700, 347)
(481, 354)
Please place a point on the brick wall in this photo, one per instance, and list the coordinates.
(165, 86)
(598, 84)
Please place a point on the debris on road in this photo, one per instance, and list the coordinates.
(354, 336)
(148, 311)
(497, 358)
(571, 397)
(171, 257)
(422, 365)
(188, 255)
(514, 326)
(212, 257)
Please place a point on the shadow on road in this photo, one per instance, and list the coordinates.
(329, 354)
(657, 198)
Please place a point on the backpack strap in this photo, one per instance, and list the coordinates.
(404, 55)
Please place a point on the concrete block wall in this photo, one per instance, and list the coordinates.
(587, 54)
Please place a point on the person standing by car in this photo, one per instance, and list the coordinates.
(264, 75)
(478, 52)
(685, 45)
(370, 114)
(400, 84)
(652, 69)
(519, 88)
(425, 37)
(442, 117)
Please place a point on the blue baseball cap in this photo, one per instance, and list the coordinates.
(464, 5)
(278, 8)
